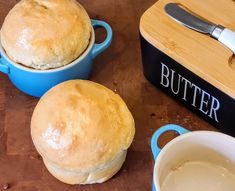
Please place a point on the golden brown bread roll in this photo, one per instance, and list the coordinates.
(82, 130)
(46, 34)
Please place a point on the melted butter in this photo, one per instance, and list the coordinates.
(199, 176)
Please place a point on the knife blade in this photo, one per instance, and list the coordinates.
(218, 32)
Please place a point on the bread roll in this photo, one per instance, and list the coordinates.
(82, 130)
(46, 34)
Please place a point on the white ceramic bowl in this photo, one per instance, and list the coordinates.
(207, 147)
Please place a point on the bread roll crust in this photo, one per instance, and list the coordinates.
(46, 34)
(98, 175)
(81, 126)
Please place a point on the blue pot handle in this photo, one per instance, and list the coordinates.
(154, 141)
(3, 67)
(98, 48)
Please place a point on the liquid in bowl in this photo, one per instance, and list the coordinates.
(199, 175)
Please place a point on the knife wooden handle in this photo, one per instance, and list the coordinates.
(227, 37)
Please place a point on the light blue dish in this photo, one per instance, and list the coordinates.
(154, 146)
(36, 83)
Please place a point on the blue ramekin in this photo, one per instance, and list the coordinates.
(36, 82)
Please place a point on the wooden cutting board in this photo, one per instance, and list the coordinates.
(120, 69)
(202, 55)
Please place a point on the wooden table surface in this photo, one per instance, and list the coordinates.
(120, 69)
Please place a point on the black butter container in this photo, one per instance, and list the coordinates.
(164, 43)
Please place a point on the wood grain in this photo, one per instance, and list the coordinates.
(120, 69)
(201, 54)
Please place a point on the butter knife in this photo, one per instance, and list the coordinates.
(218, 32)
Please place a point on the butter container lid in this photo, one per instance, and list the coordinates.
(201, 54)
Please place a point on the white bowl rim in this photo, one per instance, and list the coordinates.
(77, 61)
(177, 139)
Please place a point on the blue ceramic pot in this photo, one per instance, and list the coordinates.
(36, 83)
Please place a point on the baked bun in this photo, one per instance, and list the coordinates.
(46, 34)
(82, 130)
